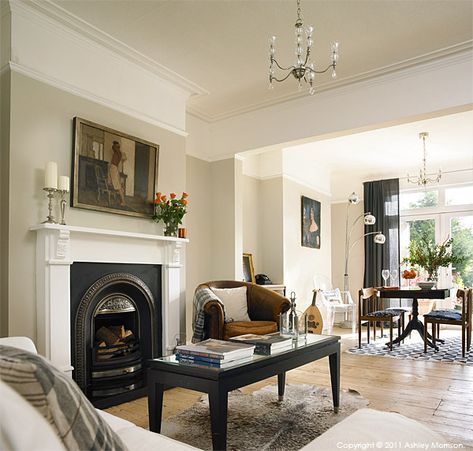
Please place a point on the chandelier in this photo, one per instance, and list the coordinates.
(422, 179)
(303, 69)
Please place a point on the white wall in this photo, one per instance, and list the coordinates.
(301, 264)
(41, 130)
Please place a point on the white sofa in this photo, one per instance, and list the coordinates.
(366, 426)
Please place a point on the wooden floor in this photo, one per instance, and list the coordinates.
(437, 394)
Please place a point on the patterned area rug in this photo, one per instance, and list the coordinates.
(450, 351)
(258, 421)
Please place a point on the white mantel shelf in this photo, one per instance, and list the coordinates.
(96, 231)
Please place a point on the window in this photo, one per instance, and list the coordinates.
(418, 199)
(438, 215)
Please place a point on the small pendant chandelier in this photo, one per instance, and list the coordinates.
(423, 179)
(303, 69)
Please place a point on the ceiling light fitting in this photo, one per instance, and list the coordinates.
(422, 179)
(303, 69)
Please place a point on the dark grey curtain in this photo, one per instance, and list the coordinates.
(381, 198)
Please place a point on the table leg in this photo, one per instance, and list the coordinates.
(218, 402)
(334, 362)
(281, 385)
(155, 405)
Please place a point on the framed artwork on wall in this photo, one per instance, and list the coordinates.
(248, 269)
(112, 171)
(310, 223)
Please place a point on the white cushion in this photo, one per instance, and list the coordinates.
(136, 438)
(22, 427)
(234, 303)
(373, 426)
(24, 343)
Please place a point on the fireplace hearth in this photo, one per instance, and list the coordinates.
(116, 328)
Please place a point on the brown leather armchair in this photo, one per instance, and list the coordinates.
(264, 307)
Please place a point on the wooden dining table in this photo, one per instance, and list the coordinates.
(415, 323)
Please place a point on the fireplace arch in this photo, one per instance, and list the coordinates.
(116, 297)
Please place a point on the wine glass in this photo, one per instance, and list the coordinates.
(385, 276)
(394, 277)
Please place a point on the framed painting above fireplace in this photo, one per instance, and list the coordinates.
(112, 171)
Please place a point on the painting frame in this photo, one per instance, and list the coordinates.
(311, 210)
(248, 268)
(114, 197)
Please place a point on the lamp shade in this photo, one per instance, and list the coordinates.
(379, 238)
(369, 219)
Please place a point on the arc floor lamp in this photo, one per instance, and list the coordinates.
(368, 220)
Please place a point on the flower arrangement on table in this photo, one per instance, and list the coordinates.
(431, 256)
(170, 211)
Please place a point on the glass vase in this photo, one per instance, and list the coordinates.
(170, 229)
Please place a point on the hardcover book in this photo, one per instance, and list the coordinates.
(265, 344)
(217, 349)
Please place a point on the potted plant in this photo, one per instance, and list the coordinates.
(431, 256)
(170, 211)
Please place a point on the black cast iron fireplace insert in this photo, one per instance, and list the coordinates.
(116, 328)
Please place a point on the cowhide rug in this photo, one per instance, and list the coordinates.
(258, 421)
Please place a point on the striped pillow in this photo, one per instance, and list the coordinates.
(59, 400)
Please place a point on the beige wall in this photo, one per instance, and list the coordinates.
(41, 130)
(199, 249)
(271, 223)
(252, 221)
(356, 262)
(301, 264)
(4, 197)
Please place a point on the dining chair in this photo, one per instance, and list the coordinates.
(452, 317)
(370, 310)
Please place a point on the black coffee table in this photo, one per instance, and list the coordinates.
(168, 372)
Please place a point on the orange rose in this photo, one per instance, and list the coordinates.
(158, 195)
(157, 201)
(185, 195)
(184, 202)
(173, 195)
(163, 198)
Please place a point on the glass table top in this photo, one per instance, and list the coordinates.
(303, 342)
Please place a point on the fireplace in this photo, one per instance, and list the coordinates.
(129, 283)
(115, 328)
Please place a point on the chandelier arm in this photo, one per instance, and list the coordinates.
(307, 57)
(323, 71)
(282, 79)
(282, 68)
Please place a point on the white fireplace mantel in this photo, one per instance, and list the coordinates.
(58, 246)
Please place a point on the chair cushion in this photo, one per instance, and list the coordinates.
(249, 327)
(58, 399)
(448, 314)
(234, 302)
(379, 313)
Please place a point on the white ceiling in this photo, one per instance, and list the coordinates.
(394, 151)
(222, 45)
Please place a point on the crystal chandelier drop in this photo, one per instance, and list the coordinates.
(423, 179)
(303, 69)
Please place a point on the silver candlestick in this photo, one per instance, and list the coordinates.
(62, 204)
(50, 219)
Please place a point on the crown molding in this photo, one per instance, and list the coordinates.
(428, 62)
(53, 12)
(71, 89)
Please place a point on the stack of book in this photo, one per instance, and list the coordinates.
(265, 344)
(214, 353)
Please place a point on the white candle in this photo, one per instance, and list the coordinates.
(50, 175)
(63, 183)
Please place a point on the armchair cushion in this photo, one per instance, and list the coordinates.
(249, 327)
(235, 304)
